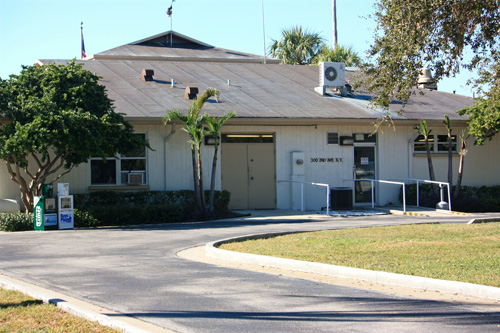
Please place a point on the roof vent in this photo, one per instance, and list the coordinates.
(191, 92)
(147, 74)
(425, 80)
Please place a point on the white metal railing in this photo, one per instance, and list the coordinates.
(432, 182)
(302, 192)
(380, 181)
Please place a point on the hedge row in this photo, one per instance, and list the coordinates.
(16, 222)
(470, 199)
(110, 208)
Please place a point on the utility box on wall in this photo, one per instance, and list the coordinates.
(298, 172)
(298, 163)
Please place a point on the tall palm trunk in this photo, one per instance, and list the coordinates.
(203, 205)
(432, 175)
(463, 152)
(212, 181)
(447, 124)
(425, 132)
(195, 177)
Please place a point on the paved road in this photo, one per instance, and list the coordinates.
(134, 270)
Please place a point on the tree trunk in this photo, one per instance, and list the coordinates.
(463, 151)
(212, 180)
(450, 159)
(202, 192)
(459, 177)
(195, 177)
(432, 176)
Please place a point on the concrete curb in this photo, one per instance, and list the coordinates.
(445, 286)
(47, 297)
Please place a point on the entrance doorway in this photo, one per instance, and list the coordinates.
(248, 170)
(364, 168)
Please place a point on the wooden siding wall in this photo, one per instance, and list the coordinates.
(393, 155)
(480, 168)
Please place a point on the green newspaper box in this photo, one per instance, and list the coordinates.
(45, 212)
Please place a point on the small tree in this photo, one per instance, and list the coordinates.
(339, 53)
(297, 46)
(57, 118)
(214, 127)
(425, 132)
(463, 151)
(194, 126)
(447, 124)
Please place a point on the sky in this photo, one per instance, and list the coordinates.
(50, 29)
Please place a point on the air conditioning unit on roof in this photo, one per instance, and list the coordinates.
(331, 74)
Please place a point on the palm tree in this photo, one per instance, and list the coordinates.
(193, 125)
(297, 46)
(463, 151)
(447, 124)
(214, 128)
(425, 132)
(339, 53)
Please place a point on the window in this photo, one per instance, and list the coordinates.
(437, 144)
(124, 170)
(332, 138)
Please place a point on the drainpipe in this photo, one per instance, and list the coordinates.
(165, 144)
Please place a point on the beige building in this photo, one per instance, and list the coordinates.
(288, 127)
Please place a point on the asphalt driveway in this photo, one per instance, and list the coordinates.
(135, 271)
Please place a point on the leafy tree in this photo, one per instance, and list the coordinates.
(297, 46)
(57, 117)
(435, 34)
(214, 127)
(194, 125)
(339, 53)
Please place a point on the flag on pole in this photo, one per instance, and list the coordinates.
(84, 55)
(169, 9)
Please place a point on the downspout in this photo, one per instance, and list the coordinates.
(165, 144)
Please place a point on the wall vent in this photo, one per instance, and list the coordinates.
(332, 138)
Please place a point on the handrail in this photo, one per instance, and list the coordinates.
(381, 181)
(433, 182)
(302, 192)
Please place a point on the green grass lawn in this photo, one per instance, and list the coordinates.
(468, 253)
(21, 313)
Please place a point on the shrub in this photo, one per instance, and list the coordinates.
(141, 207)
(16, 222)
(470, 199)
(84, 219)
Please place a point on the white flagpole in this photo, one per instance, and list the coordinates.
(264, 32)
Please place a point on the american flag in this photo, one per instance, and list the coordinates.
(84, 55)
